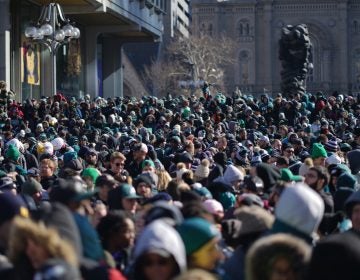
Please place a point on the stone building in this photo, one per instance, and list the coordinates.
(334, 27)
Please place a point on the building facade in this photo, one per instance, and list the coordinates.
(334, 27)
(177, 19)
(91, 64)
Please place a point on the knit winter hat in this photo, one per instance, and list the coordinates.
(256, 159)
(232, 174)
(93, 173)
(333, 159)
(318, 150)
(227, 199)
(254, 219)
(195, 233)
(12, 153)
(147, 162)
(58, 143)
(68, 156)
(346, 180)
(203, 170)
(31, 187)
(301, 208)
(213, 206)
(332, 146)
(203, 192)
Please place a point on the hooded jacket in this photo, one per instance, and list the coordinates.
(159, 236)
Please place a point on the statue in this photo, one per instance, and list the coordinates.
(295, 53)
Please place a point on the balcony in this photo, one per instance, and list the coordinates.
(135, 18)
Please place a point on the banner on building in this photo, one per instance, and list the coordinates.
(30, 62)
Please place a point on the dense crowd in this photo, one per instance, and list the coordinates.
(180, 187)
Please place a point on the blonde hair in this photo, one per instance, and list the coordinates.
(180, 165)
(164, 179)
(117, 155)
(189, 147)
(51, 163)
(24, 229)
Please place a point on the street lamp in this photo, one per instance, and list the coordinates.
(52, 29)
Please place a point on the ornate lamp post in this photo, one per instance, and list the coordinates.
(52, 29)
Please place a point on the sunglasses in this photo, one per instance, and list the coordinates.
(290, 151)
(119, 164)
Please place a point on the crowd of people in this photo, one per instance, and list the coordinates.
(204, 186)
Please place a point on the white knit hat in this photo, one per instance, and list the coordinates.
(203, 170)
(300, 207)
(58, 143)
(333, 159)
(232, 174)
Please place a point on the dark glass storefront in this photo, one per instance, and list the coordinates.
(31, 61)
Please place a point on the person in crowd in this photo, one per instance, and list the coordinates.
(317, 178)
(201, 240)
(159, 253)
(104, 184)
(117, 234)
(47, 173)
(117, 163)
(124, 197)
(181, 151)
(299, 212)
(36, 251)
(278, 256)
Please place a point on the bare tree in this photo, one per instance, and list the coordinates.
(193, 59)
(206, 56)
(161, 76)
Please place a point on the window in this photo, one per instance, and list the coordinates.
(244, 58)
(244, 28)
(355, 27)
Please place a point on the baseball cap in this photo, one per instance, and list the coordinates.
(65, 191)
(288, 176)
(10, 206)
(128, 191)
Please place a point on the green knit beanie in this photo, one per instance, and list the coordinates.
(195, 233)
(12, 153)
(93, 173)
(318, 150)
(227, 200)
(147, 162)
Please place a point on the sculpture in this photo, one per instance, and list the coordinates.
(295, 53)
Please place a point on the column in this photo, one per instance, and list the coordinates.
(267, 55)
(343, 50)
(91, 78)
(112, 67)
(5, 27)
